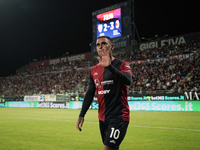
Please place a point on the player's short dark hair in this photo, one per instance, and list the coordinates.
(107, 37)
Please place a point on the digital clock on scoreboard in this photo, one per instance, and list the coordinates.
(109, 23)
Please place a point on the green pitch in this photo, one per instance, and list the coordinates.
(55, 129)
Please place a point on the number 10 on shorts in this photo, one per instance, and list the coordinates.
(114, 133)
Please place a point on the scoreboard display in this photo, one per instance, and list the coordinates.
(115, 21)
(109, 23)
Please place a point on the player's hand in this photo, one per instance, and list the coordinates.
(79, 123)
(106, 57)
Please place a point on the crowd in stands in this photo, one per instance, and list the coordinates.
(153, 76)
(149, 76)
(60, 66)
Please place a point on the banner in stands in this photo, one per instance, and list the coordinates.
(176, 40)
(39, 63)
(153, 97)
(59, 60)
(164, 97)
(70, 58)
(31, 98)
(44, 98)
(158, 59)
(184, 56)
(157, 97)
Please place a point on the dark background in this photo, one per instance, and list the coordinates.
(39, 29)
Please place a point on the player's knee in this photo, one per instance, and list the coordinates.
(109, 148)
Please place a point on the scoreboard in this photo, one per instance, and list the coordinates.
(109, 23)
(115, 21)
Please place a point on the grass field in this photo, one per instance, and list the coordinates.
(54, 129)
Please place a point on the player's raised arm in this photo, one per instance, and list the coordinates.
(124, 74)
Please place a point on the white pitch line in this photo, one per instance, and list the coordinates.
(165, 128)
(183, 129)
(47, 119)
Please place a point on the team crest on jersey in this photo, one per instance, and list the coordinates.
(97, 83)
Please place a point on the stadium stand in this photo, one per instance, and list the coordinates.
(155, 70)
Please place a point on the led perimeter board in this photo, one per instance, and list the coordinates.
(109, 23)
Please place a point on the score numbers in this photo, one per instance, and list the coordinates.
(108, 23)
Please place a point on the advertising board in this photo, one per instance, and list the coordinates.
(75, 104)
(21, 104)
(52, 105)
(186, 106)
(2, 104)
(181, 106)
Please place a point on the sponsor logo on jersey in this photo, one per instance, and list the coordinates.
(107, 82)
(98, 83)
(104, 92)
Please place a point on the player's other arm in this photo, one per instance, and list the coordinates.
(124, 74)
(86, 103)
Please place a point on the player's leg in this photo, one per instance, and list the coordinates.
(103, 129)
(114, 134)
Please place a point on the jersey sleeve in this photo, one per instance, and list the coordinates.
(88, 97)
(125, 67)
(124, 74)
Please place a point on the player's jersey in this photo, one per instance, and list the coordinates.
(111, 92)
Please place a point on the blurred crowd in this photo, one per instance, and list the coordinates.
(150, 76)
(163, 75)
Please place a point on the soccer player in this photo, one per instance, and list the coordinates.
(109, 78)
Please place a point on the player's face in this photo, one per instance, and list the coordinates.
(104, 44)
